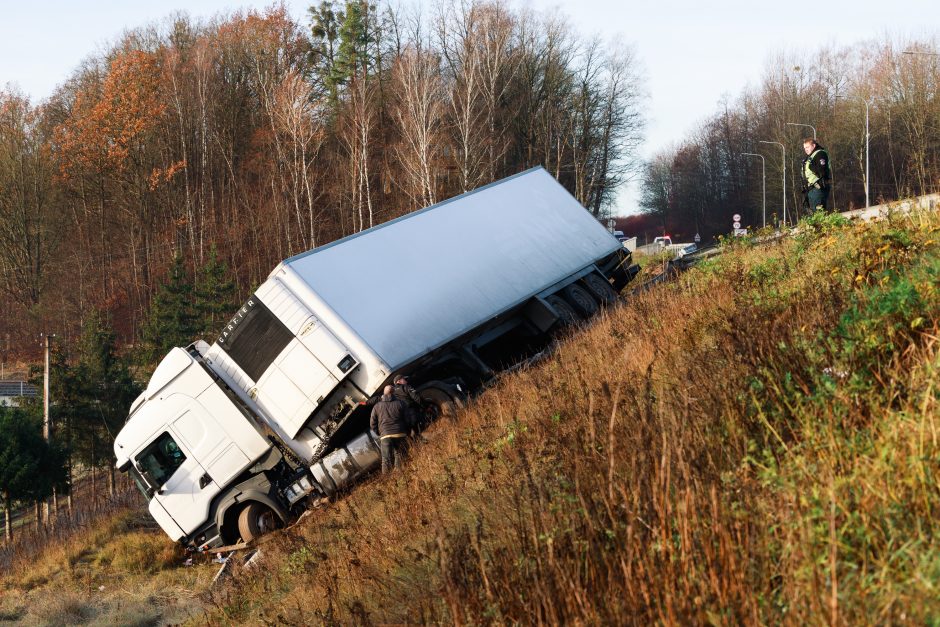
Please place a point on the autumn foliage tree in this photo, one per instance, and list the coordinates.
(259, 137)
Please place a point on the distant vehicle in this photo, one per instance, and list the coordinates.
(231, 440)
(628, 242)
(664, 243)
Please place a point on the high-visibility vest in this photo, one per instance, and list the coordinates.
(808, 173)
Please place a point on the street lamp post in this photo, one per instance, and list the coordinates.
(784, 148)
(806, 125)
(867, 102)
(867, 139)
(763, 174)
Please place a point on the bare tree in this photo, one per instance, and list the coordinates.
(419, 112)
(355, 134)
(296, 114)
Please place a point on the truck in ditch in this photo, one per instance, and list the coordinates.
(232, 439)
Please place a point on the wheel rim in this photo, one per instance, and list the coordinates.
(266, 522)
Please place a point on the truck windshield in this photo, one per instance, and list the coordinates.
(139, 481)
(160, 460)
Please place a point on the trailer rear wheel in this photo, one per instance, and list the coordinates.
(439, 402)
(255, 520)
(600, 289)
(580, 299)
(567, 316)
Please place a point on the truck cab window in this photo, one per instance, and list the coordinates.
(160, 460)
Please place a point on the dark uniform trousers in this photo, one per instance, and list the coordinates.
(393, 448)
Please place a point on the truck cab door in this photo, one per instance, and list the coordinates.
(179, 464)
(174, 475)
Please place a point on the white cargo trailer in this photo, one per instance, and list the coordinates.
(230, 439)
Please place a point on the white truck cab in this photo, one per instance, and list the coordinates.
(179, 452)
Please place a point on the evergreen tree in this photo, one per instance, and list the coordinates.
(352, 57)
(324, 31)
(95, 394)
(172, 319)
(30, 468)
(215, 295)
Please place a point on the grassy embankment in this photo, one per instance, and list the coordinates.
(755, 442)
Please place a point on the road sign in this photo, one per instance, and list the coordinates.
(740, 232)
(698, 238)
(736, 224)
(736, 217)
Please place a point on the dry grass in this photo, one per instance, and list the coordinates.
(721, 450)
(121, 570)
(756, 442)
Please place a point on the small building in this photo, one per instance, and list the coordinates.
(11, 392)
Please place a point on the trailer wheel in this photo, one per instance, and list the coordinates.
(600, 289)
(439, 402)
(567, 316)
(255, 520)
(580, 299)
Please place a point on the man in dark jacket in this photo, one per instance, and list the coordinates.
(817, 174)
(407, 395)
(390, 422)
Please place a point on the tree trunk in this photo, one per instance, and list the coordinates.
(111, 481)
(69, 498)
(8, 519)
(38, 507)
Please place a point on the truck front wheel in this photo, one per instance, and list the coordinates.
(255, 520)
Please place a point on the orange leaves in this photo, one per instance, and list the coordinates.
(160, 176)
(104, 126)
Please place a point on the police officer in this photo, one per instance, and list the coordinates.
(817, 174)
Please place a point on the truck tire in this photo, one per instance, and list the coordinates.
(567, 315)
(255, 520)
(440, 401)
(600, 289)
(580, 299)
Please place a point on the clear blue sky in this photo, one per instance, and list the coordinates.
(693, 52)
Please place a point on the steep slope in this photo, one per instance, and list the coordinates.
(754, 442)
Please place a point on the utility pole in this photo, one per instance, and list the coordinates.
(47, 424)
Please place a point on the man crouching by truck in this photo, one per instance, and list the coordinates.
(390, 421)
